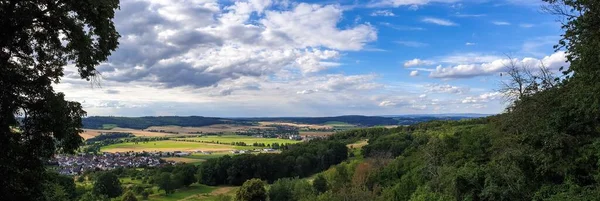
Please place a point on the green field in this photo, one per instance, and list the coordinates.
(191, 192)
(170, 145)
(241, 138)
(108, 126)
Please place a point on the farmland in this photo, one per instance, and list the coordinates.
(241, 138)
(168, 146)
(90, 133)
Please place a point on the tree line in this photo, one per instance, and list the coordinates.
(298, 160)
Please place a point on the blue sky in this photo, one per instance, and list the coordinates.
(315, 58)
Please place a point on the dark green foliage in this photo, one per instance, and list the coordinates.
(281, 190)
(107, 184)
(37, 39)
(300, 160)
(66, 183)
(320, 184)
(166, 182)
(110, 135)
(145, 195)
(187, 173)
(252, 190)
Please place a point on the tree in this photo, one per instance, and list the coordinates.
(187, 173)
(320, 184)
(252, 190)
(129, 196)
(107, 184)
(165, 182)
(37, 39)
(281, 190)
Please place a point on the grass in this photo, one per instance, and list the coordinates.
(170, 145)
(241, 138)
(196, 190)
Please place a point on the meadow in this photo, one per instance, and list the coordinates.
(249, 140)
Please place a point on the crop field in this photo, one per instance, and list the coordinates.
(217, 128)
(90, 133)
(311, 126)
(249, 140)
(170, 145)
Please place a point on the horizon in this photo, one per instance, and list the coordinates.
(257, 117)
(255, 58)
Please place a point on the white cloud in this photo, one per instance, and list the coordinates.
(553, 62)
(501, 23)
(402, 28)
(418, 62)
(398, 3)
(465, 58)
(387, 104)
(386, 13)
(414, 73)
(175, 43)
(483, 98)
(412, 43)
(470, 44)
(438, 21)
(469, 15)
(446, 88)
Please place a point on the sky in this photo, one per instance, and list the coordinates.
(265, 58)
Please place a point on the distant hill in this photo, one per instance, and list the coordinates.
(357, 120)
(99, 122)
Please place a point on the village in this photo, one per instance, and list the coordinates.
(77, 164)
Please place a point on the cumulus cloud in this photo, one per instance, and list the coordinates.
(553, 62)
(414, 73)
(483, 98)
(200, 44)
(439, 21)
(418, 62)
(385, 13)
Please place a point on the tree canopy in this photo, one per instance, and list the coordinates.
(37, 40)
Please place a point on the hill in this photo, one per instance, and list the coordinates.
(100, 122)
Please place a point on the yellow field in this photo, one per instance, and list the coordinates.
(170, 145)
(358, 144)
